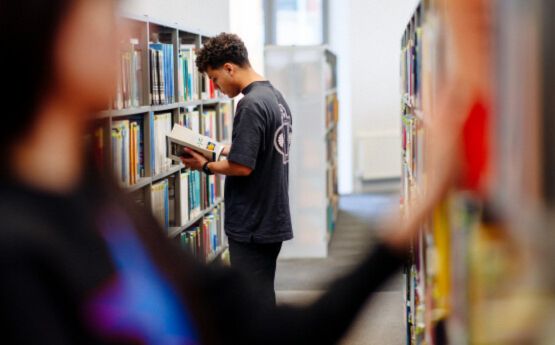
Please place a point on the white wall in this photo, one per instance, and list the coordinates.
(207, 16)
(340, 43)
(366, 35)
(247, 21)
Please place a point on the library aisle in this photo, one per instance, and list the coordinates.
(299, 281)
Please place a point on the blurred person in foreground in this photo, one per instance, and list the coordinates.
(79, 264)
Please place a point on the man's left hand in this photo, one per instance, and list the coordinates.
(195, 161)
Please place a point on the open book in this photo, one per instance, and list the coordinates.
(182, 137)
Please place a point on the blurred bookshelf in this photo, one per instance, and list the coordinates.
(159, 86)
(479, 271)
(307, 77)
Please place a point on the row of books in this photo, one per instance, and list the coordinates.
(412, 147)
(206, 238)
(130, 77)
(210, 123)
(197, 192)
(188, 75)
(456, 262)
(331, 147)
(209, 120)
(161, 73)
(416, 284)
(127, 150)
(208, 88)
(190, 195)
(127, 137)
(127, 142)
(190, 84)
(411, 60)
(226, 122)
(331, 183)
(212, 188)
(331, 120)
(190, 119)
(332, 110)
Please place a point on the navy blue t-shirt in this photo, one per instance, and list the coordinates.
(257, 206)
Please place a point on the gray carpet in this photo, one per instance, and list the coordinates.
(300, 281)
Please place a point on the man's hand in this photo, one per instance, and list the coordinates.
(195, 161)
(225, 151)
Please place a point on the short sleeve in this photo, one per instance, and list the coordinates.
(248, 131)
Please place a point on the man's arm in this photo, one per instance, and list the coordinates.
(228, 168)
(225, 167)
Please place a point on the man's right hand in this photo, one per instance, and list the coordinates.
(225, 151)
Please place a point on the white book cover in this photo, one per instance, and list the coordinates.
(162, 127)
(182, 137)
(184, 197)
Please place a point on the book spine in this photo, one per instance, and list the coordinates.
(161, 71)
(153, 88)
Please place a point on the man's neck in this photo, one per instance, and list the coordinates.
(250, 76)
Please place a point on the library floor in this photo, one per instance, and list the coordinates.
(302, 280)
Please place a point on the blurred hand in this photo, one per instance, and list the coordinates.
(194, 161)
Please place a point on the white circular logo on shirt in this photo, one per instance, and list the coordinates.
(282, 137)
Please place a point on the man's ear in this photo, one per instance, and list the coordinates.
(229, 68)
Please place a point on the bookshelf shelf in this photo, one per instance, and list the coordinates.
(164, 107)
(189, 104)
(211, 101)
(170, 171)
(143, 182)
(175, 231)
(145, 109)
(126, 112)
(158, 87)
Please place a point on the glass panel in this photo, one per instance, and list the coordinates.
(299, 22)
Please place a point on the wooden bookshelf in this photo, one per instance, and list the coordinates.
(141, 109)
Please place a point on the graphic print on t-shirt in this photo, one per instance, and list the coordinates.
(282, 137)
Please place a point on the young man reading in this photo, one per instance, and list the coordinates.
(257, 212)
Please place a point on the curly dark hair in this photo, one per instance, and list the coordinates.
(222, 49)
